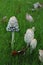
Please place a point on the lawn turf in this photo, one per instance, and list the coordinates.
(19, 8)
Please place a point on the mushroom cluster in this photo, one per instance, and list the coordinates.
(29, 38)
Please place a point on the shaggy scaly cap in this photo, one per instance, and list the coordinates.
(12, 24)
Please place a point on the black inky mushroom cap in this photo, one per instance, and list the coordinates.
(13, 24)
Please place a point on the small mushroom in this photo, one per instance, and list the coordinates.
(29, 17)
(37, 5)
(12, 27)
(41, 55)
(33, 45)
(29, 35)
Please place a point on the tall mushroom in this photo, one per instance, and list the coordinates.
(12, 26)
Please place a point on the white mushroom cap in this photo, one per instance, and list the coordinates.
(29, 17)
(12, 24)
(40, 52)
(29, 36)
(41, 55)
(36, 5)
(33, 44)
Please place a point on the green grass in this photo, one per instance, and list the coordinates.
(19, 8)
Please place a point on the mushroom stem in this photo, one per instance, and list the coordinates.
(12, 42)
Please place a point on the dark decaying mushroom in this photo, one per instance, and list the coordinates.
(19, 52)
